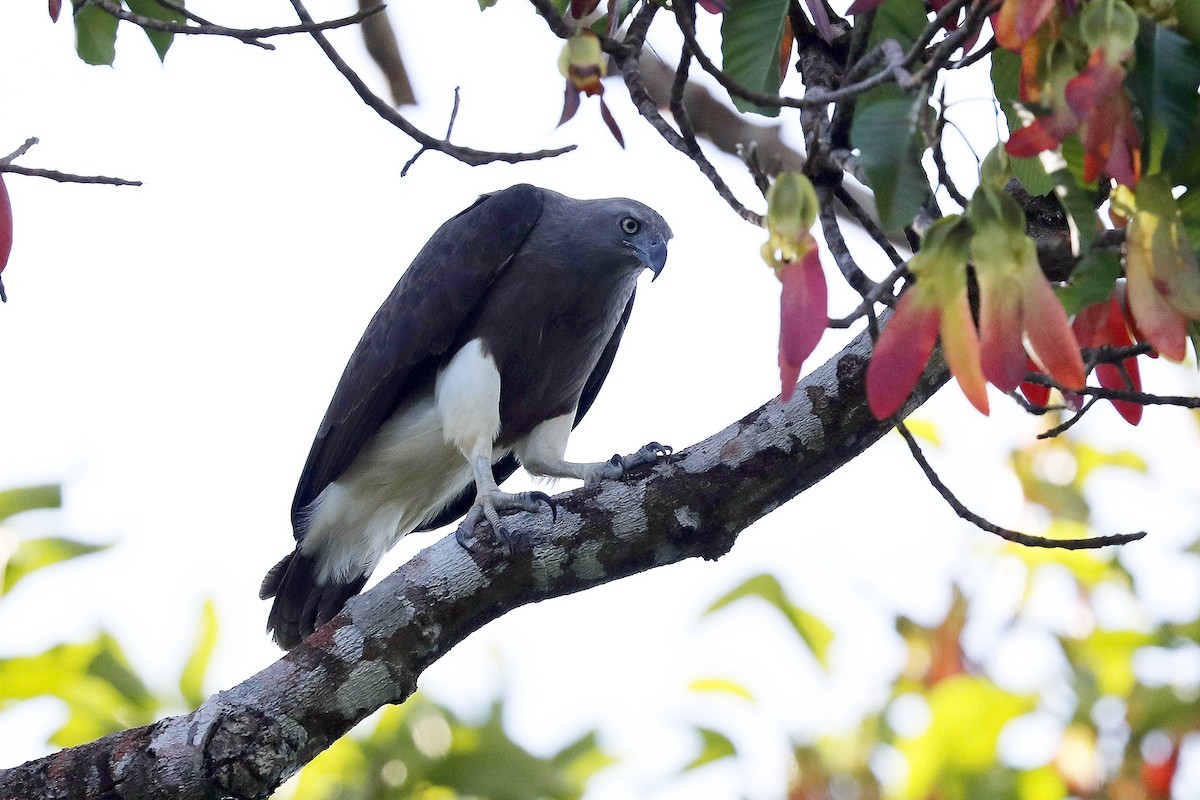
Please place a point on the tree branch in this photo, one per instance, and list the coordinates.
(384, 109)
(248, 35)
(6, 165)
(247, 740)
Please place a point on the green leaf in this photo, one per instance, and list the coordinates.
(967, 715)
(814, 633)
(1189, 20)
(901, 20)
(101, 691)
(1091, 281)
(714, 747)
(1032, 175)
(1006, 77)
(1164, 82)
(33, 554)
(95, 35)
(150, 8)
(721, 685)
(191, 682)
(28, 498)
(484, 5)
(751, 35)
(884, 133)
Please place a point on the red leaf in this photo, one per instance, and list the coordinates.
(6, 231)
(900, 355)
(55, 9)
(863, 6)
(611, 122)
(581, 8)
(570, 103)
(1050, 335)
(1000, 327)
(713, 6)
(820, 18)
(803, 315)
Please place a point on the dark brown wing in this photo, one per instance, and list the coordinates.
(414, 327)
(506, 466)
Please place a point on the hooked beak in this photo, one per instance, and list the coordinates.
(653, 257)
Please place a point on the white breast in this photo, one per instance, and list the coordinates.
(408, 472)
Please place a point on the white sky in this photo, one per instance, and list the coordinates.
(170, 349)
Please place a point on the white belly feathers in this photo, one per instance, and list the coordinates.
(410, 470)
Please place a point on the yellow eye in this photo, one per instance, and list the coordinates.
(630, 225)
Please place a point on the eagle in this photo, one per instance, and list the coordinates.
(487, 353)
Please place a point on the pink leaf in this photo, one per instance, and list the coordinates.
(1003, 355)
(803, 315)
(961, 345)
(611, 122)
(6, 232)
(1050, 335)
(570, 103)
(820, 18)
(863, 6)
(55, 9)
(900, 354)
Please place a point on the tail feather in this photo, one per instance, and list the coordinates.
(301, 603)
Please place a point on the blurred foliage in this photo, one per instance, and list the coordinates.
(1121, 735)
(418, 750)
(936, 735)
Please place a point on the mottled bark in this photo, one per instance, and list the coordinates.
(245, 741)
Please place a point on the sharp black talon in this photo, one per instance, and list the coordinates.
(548, 500)
(460, 536)
(505, 538)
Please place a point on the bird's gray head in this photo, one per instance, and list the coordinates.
(605, 235)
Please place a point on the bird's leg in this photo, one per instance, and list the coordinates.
(542, 453)
(490, 501)
(615, 468)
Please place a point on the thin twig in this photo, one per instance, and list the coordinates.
(1063, 427)
(449, 129)
(25, 147)
(178, 8)
(868, 224)
(384, 109)
(66, 177)
(6, 165)
(933, 138)
(1090, 543)
(626, 58)
(1141, 398)
(830, 226)
(247, 35)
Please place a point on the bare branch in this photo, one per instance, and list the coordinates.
(1090, 543)
(245, 741)
(381, 107)
(251, 36)
(627, 59)
(6, 165)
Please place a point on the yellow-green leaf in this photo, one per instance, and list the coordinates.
(191, 681)
(721, 685)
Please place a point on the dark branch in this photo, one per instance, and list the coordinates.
(6, 165)
(1016, 537)
(248, 35)
(381, 107)
(245, 741)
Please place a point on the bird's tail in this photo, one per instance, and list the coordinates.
(302, 604)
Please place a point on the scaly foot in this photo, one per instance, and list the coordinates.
(489, 504)
(619, 466)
